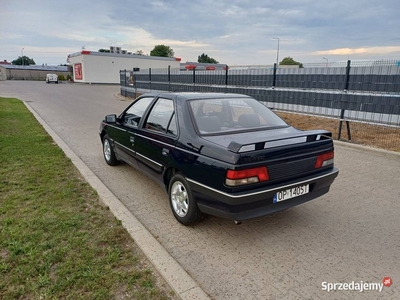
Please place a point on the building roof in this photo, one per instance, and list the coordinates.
(37, 68)
(136, 56)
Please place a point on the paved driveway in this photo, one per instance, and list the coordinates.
(350, 234)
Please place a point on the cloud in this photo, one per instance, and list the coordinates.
(234, 31)
(82, 37)
(231, 11)
(49, 51)
(10, 36)
(228, 36)
(367, 50)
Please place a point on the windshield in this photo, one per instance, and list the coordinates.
(223, 115)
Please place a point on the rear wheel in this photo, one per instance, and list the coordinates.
(108, 152)
(182, 202)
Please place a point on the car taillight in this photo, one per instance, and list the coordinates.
(240, 177)
(324, 160)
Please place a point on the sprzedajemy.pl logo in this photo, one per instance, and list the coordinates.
(360, 286)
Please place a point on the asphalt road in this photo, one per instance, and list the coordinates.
(352, 234)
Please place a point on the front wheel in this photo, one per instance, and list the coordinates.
(182, 202)
(108, 152)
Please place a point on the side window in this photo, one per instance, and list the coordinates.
(173, 128)
(162, 118)
(133, 115)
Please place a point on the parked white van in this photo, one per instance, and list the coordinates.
(51, 78)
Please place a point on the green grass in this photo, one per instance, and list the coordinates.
(56, 239)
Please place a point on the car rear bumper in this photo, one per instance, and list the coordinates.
(259, 202)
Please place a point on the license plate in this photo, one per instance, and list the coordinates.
(291, 193)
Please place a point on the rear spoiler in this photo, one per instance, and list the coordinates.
(301, 137)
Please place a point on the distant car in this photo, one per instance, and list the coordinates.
(226, 155)
(51, 78)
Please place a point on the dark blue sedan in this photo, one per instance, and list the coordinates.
(226, 155)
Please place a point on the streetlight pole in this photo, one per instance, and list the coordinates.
(326, 61)
(277, 52)
(23, 64)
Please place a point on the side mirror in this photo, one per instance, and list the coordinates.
(111, 118)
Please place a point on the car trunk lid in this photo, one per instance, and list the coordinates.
(287, 153)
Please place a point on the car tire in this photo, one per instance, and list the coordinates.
(108, 152)
(182, 202)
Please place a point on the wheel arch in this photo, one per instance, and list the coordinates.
(168, 174)
(102, 134)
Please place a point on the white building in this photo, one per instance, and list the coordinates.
(100, 67)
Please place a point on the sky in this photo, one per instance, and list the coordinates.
(234, 32)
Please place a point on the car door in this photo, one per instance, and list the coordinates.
(156, 140)
(124, 132)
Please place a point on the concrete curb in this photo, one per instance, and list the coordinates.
(366, 148)
(178, 279)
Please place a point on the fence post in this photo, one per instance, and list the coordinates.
(134, 82)
(150, 78)
(346, 87)
(120, 83)
(342, 110)
(194, 79)
(169, 78)
(348, 130)
(274, 76)
(125, 83)
(340, 123)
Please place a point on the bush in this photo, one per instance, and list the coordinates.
(69, 77)
(61, 77)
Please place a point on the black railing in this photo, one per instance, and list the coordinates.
(348, 92)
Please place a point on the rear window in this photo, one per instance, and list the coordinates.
(224, 115)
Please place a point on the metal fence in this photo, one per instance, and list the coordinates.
(355, 94)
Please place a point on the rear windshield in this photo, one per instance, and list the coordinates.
(236, 114)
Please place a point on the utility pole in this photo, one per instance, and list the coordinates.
(277, 52)
(23, 63)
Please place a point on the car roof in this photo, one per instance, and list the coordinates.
(183, 96)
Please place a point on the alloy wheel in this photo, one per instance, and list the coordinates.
(179, 199)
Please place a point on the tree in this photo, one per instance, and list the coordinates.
(104, 50)
(204, 58)
(23, 60)
(290, 61)
(139, 52)
(163, 51)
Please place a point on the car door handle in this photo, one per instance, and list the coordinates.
(165, 152)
